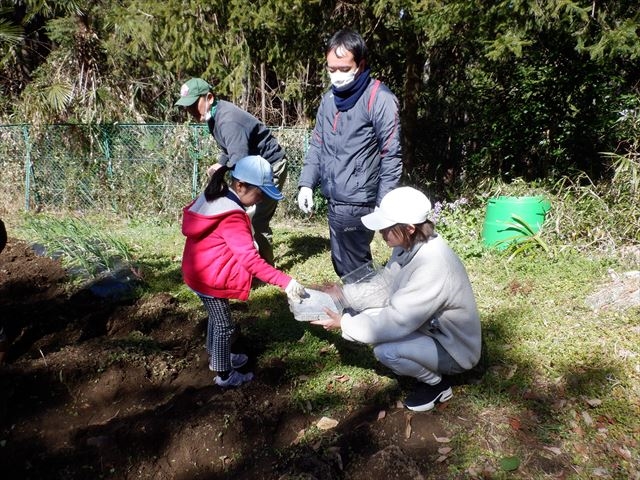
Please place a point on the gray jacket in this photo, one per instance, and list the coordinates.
(355, 155)
(431, 294)
(238, 134)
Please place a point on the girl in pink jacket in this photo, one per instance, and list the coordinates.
(220, 258)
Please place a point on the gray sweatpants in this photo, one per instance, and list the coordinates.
(419, 356)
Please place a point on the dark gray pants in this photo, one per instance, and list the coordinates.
(350, 239)
(265, 210)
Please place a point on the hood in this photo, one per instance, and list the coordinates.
(199, 218)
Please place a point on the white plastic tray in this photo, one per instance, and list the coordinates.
(312, 307)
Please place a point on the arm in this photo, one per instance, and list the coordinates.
(386, 123)
(421, 294)
(310, 173)
(237, 235)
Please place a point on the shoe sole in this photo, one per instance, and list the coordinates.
(441, 398)
(247, 378)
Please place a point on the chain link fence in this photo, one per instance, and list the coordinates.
(131, 169)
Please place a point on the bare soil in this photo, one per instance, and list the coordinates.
(78, 401)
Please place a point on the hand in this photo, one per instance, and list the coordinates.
(305, 199)
(213, 168)
(295, 291)
(334, 321)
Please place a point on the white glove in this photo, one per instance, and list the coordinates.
(305, 199)
(295, 291)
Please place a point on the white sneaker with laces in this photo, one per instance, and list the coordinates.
(235, 379)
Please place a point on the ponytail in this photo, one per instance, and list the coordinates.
(217, 187)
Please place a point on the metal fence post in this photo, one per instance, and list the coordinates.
(195, 184)
(28, 167)
(107, 149)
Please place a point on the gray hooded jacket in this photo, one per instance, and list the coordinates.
(430, 294)
(355, 155)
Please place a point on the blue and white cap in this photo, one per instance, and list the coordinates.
(255, 170)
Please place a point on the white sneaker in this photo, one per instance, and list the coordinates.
(235, 379)
(238, 360)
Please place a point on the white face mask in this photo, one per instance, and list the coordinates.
(342, 79)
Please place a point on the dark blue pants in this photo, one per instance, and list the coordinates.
(350, 239)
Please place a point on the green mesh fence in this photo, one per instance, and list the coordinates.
(128, 169)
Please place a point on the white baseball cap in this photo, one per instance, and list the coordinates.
(402, 205)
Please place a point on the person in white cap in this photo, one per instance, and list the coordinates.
(428, 327)
(220, 258)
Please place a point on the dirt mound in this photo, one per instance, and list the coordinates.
(102, 388)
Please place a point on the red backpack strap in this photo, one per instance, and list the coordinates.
(372, 97)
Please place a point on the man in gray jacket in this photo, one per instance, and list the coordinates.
(354, 153)
(238, 134)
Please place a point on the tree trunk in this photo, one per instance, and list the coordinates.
(263, 100)
(410, 95)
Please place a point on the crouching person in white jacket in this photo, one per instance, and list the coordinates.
(429, 324)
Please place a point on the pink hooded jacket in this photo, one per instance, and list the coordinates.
(220, 258)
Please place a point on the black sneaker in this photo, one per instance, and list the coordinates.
(424, 397)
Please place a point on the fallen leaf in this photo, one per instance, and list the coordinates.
(441, 439)
(399, 404)
(554, 450)
(606, 419)
(342, 378)
(600, 472)
(514, 390)
(444, 450)
(581, 449)
(529, 394)
(326, 423)
(474, 471)
(511, 372)
(407, 426)
(441, 458)
(577, 429)
(594, 402)
(381, 414)
(515, 423)
(299, 437)
(587, 419)
(624, 452)
(335, 452)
